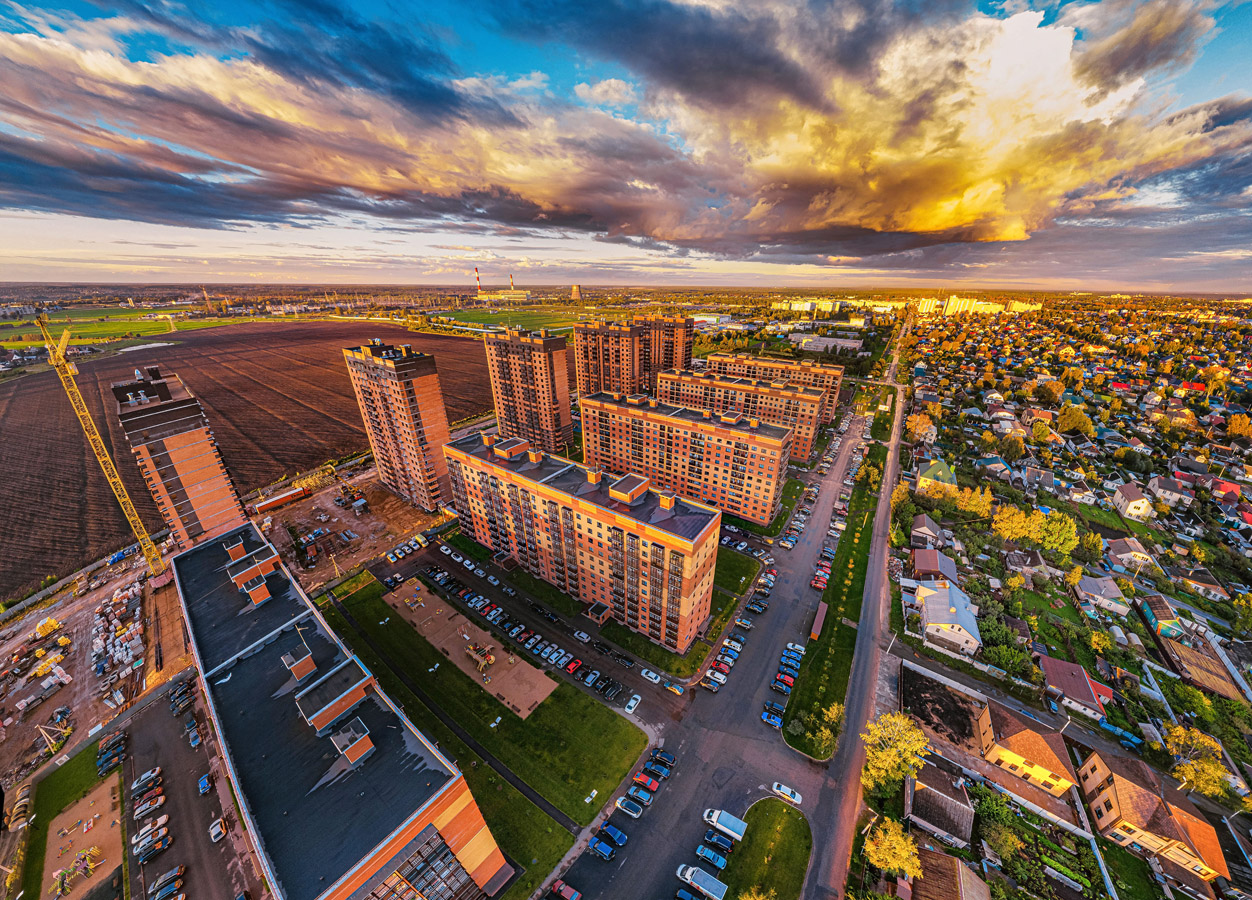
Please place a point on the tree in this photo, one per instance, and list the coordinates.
(988, 440)
(1187, 699)
(894, 748)
(1101, 642)
(1073, 576)
(899, 496)
(1200, 760)
(917, 425)
(1243, 612)
(1013, 524)
(1039, 431)
(1239, 426)
(757, 893)
(1013, 584)
(1057, 532)
(1012, 448)
(892, 851)
(1002, 839)
(1090, 547)
(1074, 419)
(1050, 391)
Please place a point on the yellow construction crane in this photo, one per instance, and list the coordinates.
(67, 370)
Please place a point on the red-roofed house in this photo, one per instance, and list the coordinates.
(1076, 688)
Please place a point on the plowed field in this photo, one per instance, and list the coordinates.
(277, 397)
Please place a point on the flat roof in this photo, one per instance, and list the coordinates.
(314, 816)
(686, 519)
(748, 384)
(685, 414)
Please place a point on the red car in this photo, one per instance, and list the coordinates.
(720, 667)
(647, 783)
(487, 610)
(573, 666)
(785, 679)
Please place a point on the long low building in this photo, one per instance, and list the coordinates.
(340, 795)
(646, 554)
(735, 463)
(763, 368)
(798, 407)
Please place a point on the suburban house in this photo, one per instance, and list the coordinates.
(1131, 503)
(1160, 616)
(929, 565)
(1129, 554)
(1077, 690)
(1133, 807)
(948, 618)
(945, 878)
(1030, 750)
(1078, 491)
(1102, 593)
(925, 532)
(1027, 563)
(935, 473)
(1170, 492)
(1033, 478)
(938, 803)
(1201, 581)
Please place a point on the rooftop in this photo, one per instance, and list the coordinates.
(748, 384)
(728, 421)
(685, 519)
(292, 782)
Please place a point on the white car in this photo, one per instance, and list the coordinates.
(469, 564)
(217, 830)
(632, 703)
(456, 557)
(714, 675)
(480, 573)
(582, 636)
(726, 661)
(798, 648)
(786, 793)
(648, 674)
(493, 580)
(445, 549)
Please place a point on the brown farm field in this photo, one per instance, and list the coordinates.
(278, 399)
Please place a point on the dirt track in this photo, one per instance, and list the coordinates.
(277, 396)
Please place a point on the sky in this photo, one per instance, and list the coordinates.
(783, 143)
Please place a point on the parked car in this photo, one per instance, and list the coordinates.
(656, 770)
(711, 686)
(592, 677)
(674, 688)
(798, 648)
(712, 857)
(632, 704)
(602, 848)
(649, 675)
(217, 830)
(786, 793)
(718, 841)
(635, 792)
(205, 784)
(664, 757)
(630, 807)
(714, 675)
(771, 720)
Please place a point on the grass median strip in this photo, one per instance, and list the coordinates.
(570, 745)
(526, 835)
(774, 854)
(734, 571)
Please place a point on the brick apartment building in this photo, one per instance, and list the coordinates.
(643, 555)
(340, 796)
(799, 407)
(735, 463)
(530, 386)
(402, 407)
(610, 356)
(807, 372)
(178, 456)
(670, 339)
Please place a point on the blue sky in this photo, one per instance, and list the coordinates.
(1080, 145)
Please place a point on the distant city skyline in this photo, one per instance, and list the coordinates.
(1071, 145)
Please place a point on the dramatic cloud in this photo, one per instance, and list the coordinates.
(835, 134)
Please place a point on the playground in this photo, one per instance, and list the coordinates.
(84, 843)
(495, 663)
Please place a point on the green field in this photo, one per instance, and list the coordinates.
(774, 854)
(734, 571)
(570, 745)
(526, 834)
(541, 590)
(553, 317)
(793, 489)
(467, 545)
(97, 325)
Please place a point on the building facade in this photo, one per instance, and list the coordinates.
(735, 463)
(670, 340)
(647, 555)
(178, 456)
(402, 407)
(530, 387)
(610, 356)
(307, 737)
(799, 407)
(796, 371)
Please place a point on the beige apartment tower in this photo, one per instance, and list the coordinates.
(670, 339)
(610, 356)
(405, 420)
(761, 368)
(796, 406)
(178, 456)
(639, 554)
(732, 462)
(530, 386)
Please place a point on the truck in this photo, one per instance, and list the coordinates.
(727, 824)
(702, 881)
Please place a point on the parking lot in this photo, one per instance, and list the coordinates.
(214, 871)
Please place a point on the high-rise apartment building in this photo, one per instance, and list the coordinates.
(670, 339)
(338, 793)
(178, 456)
(814, 374)
(646, 555)
(796, 406)
(405, 420)
(610, 356)
(735, 463)
(530, 385)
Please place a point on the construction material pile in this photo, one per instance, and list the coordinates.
(117, 647)
(40, 655)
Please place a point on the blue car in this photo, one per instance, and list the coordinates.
(714, 859)
(206, 784)
(771, 720)
(614, 834)
(787, 670)
(601, 848)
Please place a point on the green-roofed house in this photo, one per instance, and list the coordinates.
(937, 471)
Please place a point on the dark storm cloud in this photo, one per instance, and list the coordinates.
(1160, 34)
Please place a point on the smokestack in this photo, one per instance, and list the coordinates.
(511, 282)
(478, 279)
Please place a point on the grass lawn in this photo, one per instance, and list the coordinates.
(105, 324)
(541, 590)
(568, 746)
(657, 657)
(1106, 517)
(1131, 875)
(1039, 605)
(467, 545)
(792, 491)
(524, 832)
(774, 854)
(734, 571)
(62, 787)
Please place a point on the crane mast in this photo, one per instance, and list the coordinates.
(66, 370)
